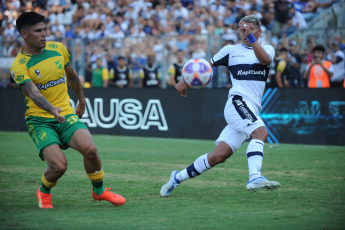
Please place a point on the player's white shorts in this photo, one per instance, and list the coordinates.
(242, 119)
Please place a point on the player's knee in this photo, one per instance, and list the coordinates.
(91, 152)
(60, 168)
(260, 133)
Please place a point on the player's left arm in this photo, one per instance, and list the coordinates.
(74, 82)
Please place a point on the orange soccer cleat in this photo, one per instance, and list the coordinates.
(44, 200)
(113, 198)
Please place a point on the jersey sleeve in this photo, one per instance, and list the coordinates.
(130, 74)
(105, 74)
(20, 74)
(281, 66)
(171, 70)
(141, 74)
(222, 57)
(270, 51)
(65, 54)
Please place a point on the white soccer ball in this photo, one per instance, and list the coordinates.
(197, 73)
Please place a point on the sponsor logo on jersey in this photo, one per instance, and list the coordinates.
(51, 83)
(22, 60)
(58, 64)
(252, 72)
(38, 73)
(53, 46)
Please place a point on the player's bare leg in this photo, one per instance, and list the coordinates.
(82, 142)
(255, 153)
(219, 155)
(57, 165)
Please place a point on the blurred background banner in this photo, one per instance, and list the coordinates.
(308, 116)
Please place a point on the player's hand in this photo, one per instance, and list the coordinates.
(246, 29)
(56, 113)
(181, 88)
(79, 111)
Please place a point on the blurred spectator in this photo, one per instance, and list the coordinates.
(229, 17)
(319, 71)
(281, 12)
(198, 51)
(218, 9)
(175, 69)
(58, 27)
(295, 61)
(336, 56)
(149, 75)
(308, 10)
(179, 12)
(289, 28)
(6, 49)
(267, 19)
(281, 70)
(308, 52)
(100, 75)
(10, 31)
(297, 18)
(122, 74)
(338, 38)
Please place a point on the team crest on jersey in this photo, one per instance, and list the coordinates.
(58, 64)
(53, 46)
(38, 73)
(22, 60)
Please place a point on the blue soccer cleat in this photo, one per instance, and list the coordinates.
(171, 185)
(262, 183)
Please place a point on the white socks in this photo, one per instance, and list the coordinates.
(255, 153)
(199, 166)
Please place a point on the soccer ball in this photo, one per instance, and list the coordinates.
(197, 73)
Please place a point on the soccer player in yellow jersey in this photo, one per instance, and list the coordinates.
(41, 70)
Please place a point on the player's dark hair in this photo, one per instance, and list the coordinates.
(179, 50)
(120, 58)
(283, 50)
(319, 48)
(28, 19)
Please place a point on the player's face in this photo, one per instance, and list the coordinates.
(245, 29)
(318, 55)
(150, 61)
(121, 63)
(35, 36)
(180, 56)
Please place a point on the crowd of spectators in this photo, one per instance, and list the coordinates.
(133, 28)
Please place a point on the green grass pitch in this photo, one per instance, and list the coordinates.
(311, 197)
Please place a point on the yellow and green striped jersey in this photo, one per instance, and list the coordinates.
(47, 72)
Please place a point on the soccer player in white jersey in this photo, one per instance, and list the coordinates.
(248, 64)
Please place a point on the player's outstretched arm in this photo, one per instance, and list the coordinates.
(30, 89)
(181, 88)
(74, 82)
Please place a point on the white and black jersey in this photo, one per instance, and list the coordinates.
(247, 74)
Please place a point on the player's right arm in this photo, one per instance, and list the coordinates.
(181, 88)
(30, 89)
